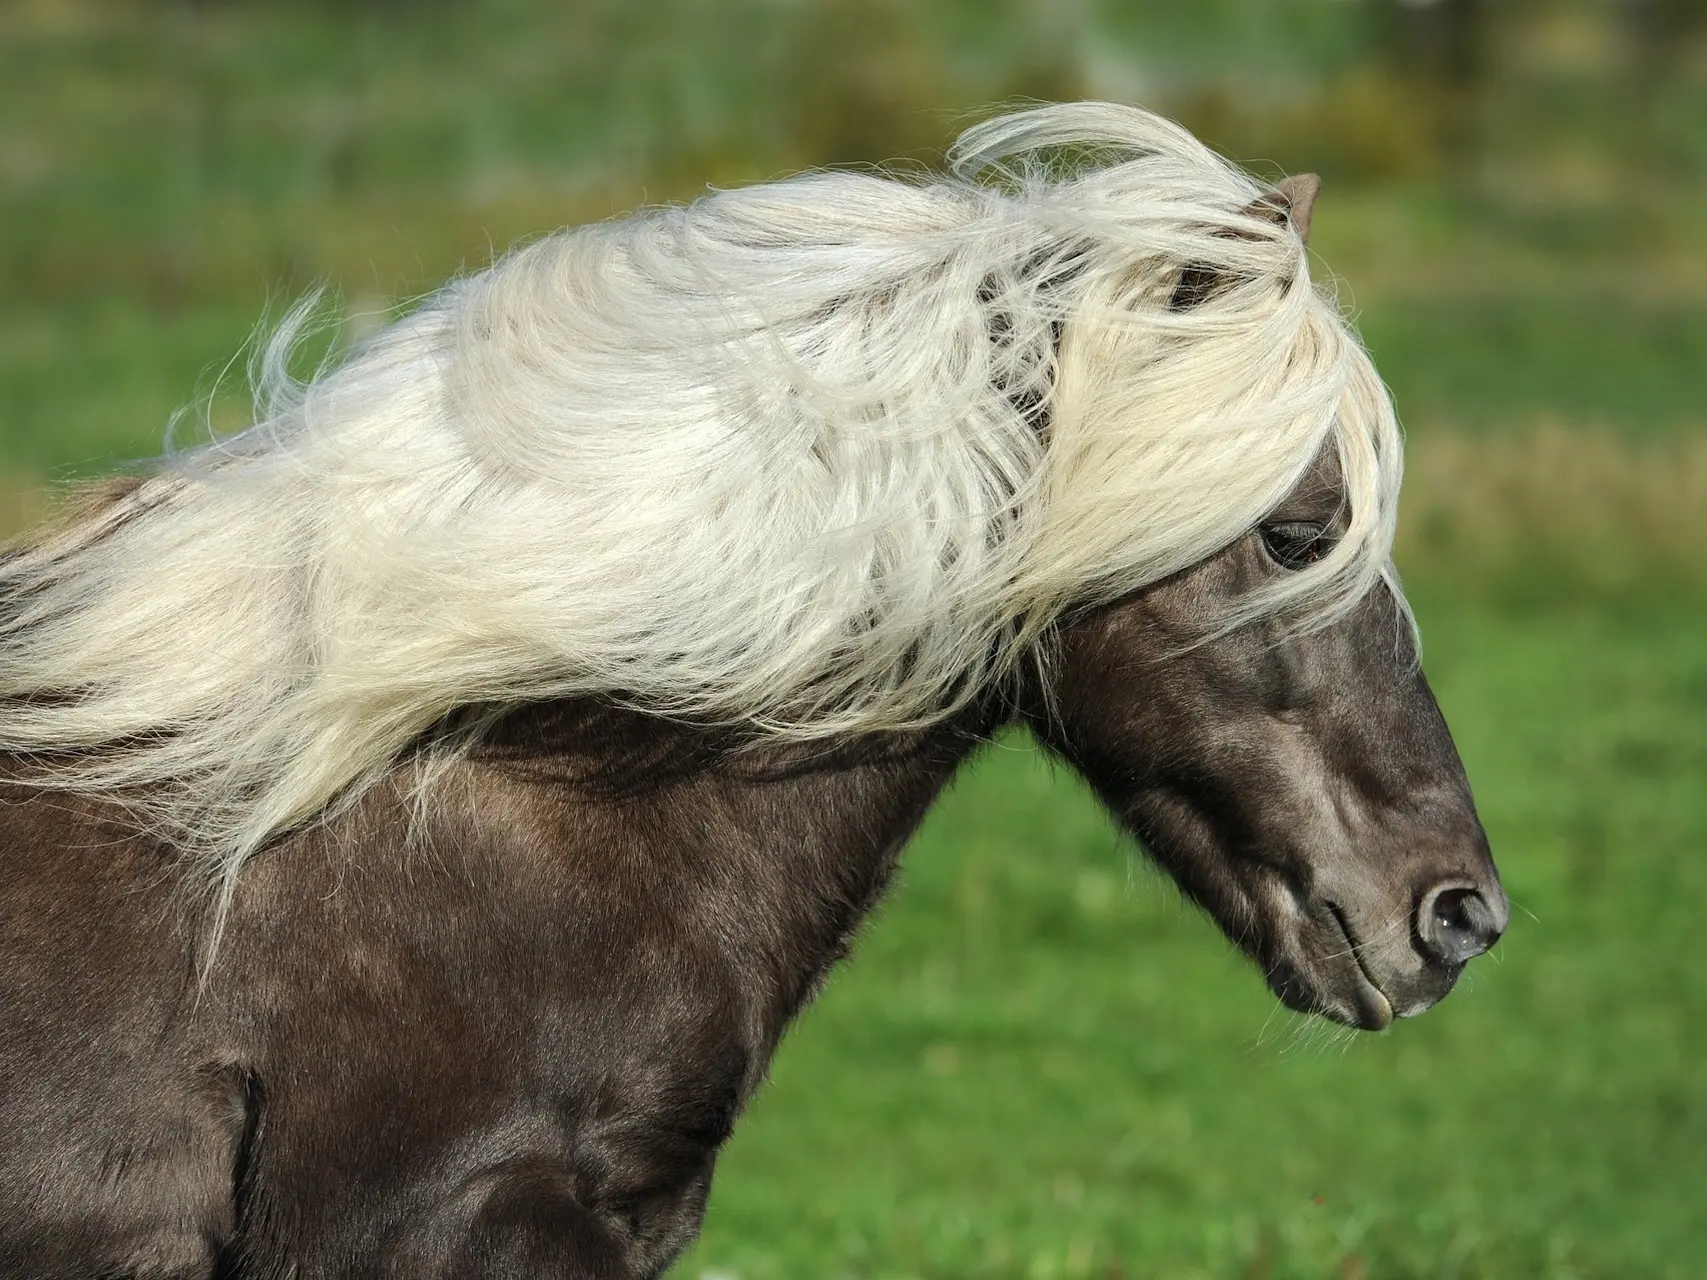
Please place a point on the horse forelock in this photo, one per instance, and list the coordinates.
(821, 456)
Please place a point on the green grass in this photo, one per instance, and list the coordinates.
(1041, 1064)
(1487, 362)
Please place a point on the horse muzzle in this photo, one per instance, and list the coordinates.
(1365, 964)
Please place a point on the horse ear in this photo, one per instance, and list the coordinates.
(1292, 200)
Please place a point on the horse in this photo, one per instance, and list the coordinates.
(425, 810)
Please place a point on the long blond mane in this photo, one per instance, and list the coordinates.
(820, 456)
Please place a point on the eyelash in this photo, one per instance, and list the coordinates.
(1294, 544)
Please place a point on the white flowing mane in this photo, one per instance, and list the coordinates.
(820, 456)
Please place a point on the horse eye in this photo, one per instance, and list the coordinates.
(1295, 544)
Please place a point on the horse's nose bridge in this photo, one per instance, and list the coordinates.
(1451, 849)
(1398, 849)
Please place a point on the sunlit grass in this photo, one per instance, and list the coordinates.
(1556, 512)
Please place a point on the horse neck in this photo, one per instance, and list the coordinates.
(782, 848)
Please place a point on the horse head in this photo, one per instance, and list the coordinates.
(1301, 785)
(1298, 782)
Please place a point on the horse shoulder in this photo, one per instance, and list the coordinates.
(515, 1024)
(120, 1120)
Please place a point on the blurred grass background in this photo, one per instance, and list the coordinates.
(1041, 1064)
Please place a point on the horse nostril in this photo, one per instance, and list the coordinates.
(1456, 924)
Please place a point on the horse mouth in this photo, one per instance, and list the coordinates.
(1373, 1011)
(1335, 982)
